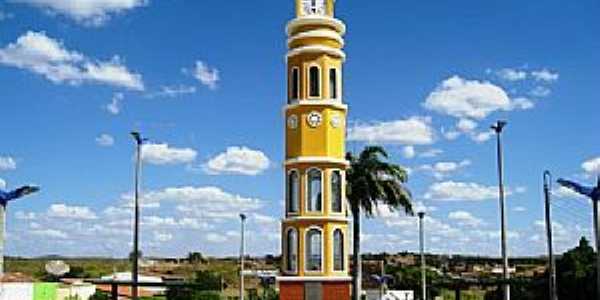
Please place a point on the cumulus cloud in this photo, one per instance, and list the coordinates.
(592, 166)
(2, 184)
(206, 75)
(216, 238)
(114, 107)
(105, 140)
(40, 54)
(431, 153)
(411, 131)
(163, 154)
(443, 169)
(461, 191)
(564, 192)
(540, 92)
(204, 198)
(21, 215)
(71, 212)
(512, 74)
(465, 218)
(472, 99)
(162, 237)
(545, 75)
(7, 163)
(238, 160)
(88, 12)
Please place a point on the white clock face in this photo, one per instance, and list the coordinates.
(313, 7)
(314, 119)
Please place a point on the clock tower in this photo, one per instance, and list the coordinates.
(314, 233)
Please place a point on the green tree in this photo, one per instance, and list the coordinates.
(371, 179)
(195, 258)
(576, 273)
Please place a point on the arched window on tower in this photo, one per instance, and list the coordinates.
(292, 250)
(293, 190)
(338, 250)
(333, 83)
(313, 250)
(314, 195)
(295, 84)
(336, 191)
(314, 77)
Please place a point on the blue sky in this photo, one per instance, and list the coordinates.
(205, 82)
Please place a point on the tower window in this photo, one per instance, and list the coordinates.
(315, 81)
(293, 191)
(313, 250)
(336, 191)
(333, 84)
(338, 250)
(314, 196)
(292, 250)
(295, 84)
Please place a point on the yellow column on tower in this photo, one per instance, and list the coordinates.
(315, 240)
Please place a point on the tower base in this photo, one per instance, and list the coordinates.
(309, 288)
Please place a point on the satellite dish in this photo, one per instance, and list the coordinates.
(57, 268)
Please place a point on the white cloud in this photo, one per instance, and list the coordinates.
(466, 125)
(540, 92)
(519, 209)
(173, 91)
(216, 238)
(7, 163)
(162, 237)
(163, 222)
(114, 107)
(204, 198)
(105, 140)
(592, 166)
(482, 137)
(408, 152)
(442, 169)
(71, 212)
(86, 12)
(465, 219)
(163, 154)
(461, 191)
(545, 75)
(472, 99)
(431, 153)
(206, 75)
(411, 131)
(238, 160)
(50, 233)
(21, 215)
(451, 134)
(512, 74)
(40, 54)
(2, 184)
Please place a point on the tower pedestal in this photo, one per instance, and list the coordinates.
(307, 288)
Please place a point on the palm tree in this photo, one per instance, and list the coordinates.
(372, 180)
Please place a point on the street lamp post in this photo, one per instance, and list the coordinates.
(422, 246)
(498, 127)
(139, 141)
(551, 259)
(242, 254)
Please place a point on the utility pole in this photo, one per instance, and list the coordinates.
(551, 259)
(136, 227)
(597, 233)
(498, 127)
(242, 254)
(422, 246)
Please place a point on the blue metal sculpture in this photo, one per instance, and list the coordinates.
(590, 192)
(5, 197)
(594, 194)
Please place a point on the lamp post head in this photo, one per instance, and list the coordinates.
(243, 217)
(499, 126)
(421, 215)
(138, 137)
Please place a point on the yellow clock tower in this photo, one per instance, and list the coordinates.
(314, 233)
